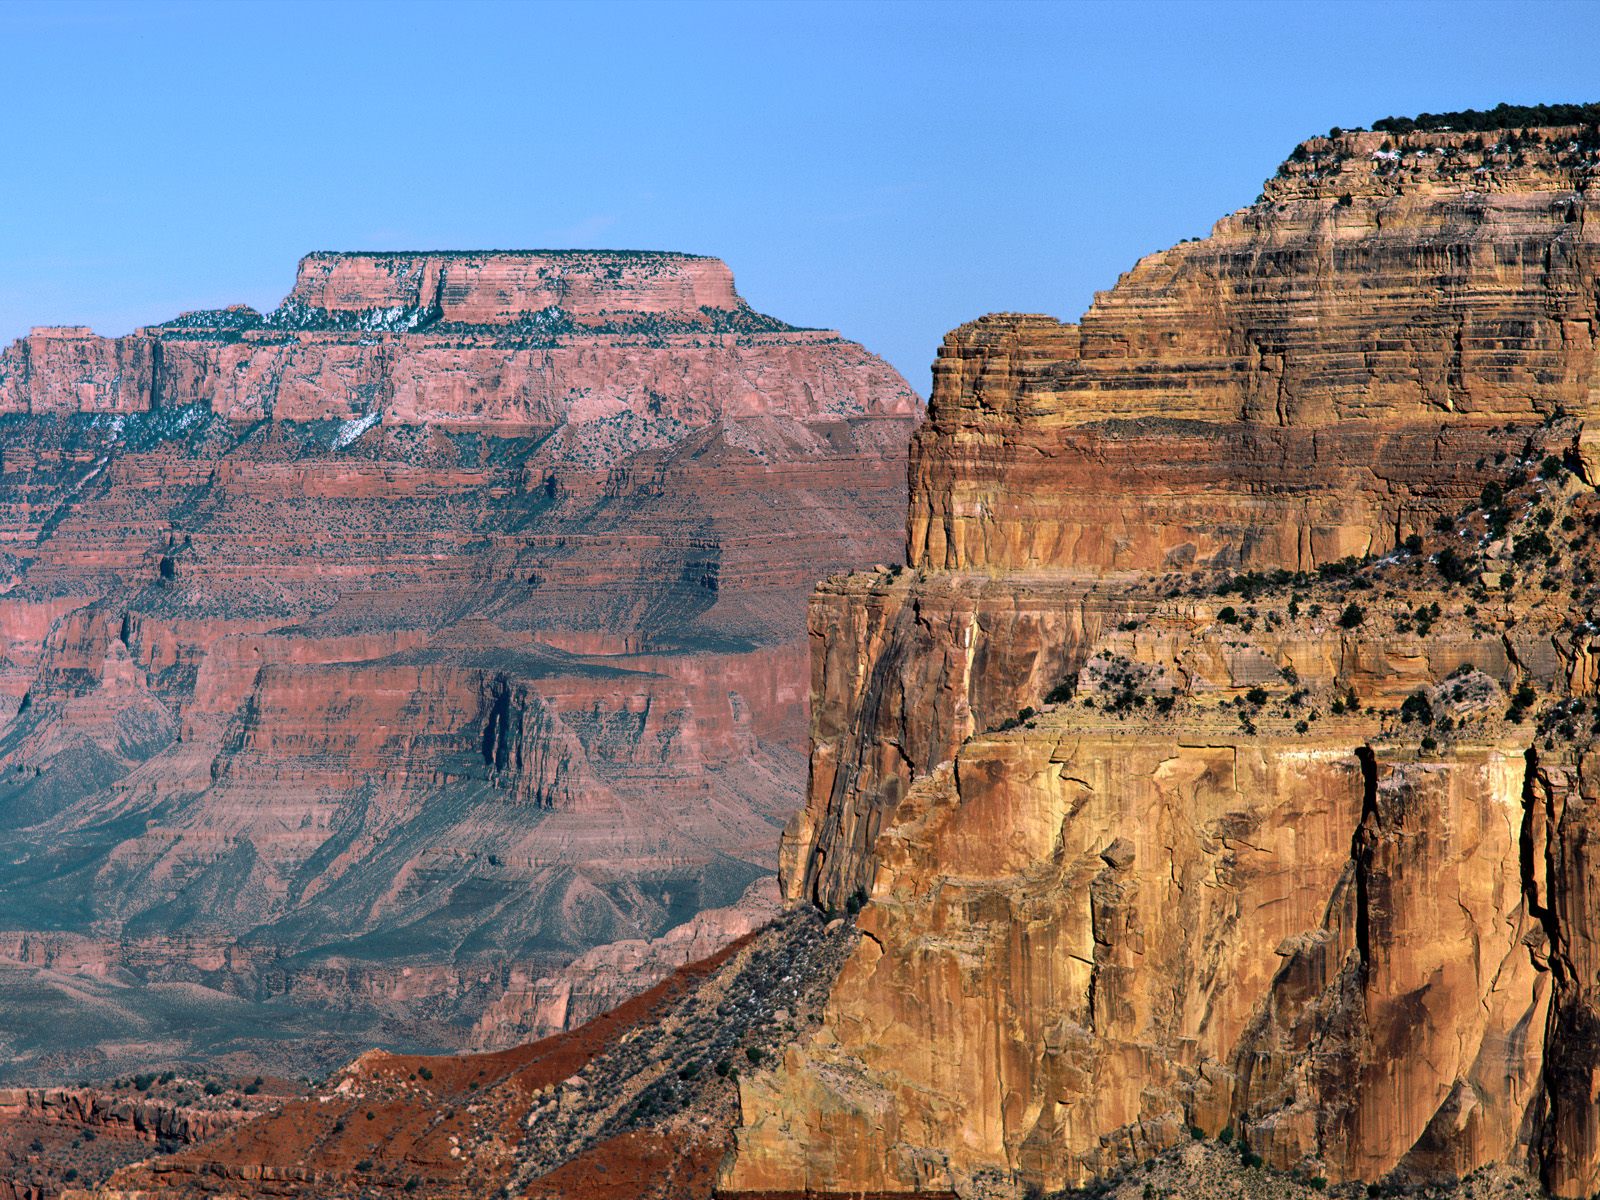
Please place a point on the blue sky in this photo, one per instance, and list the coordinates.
(887, 169)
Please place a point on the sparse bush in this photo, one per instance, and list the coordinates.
(1416, 708)
(1451, 566)
(1352, 616)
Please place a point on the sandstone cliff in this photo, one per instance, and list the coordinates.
(360, 658)
(1222, 760)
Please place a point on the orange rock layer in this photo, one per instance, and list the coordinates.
(1219, 878)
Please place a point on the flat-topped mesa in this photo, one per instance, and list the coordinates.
(1315, 379)
(499, 287)
(513, 342)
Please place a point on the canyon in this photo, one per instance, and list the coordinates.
(1209, 799)
(365, 661)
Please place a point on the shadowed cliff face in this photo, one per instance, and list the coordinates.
(1223, 759)
(414, 637)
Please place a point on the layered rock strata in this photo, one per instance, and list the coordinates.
(363, 656)
(1222, 760)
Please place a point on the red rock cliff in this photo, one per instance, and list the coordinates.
(419, 635)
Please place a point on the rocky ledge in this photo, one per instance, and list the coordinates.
(1223, 760)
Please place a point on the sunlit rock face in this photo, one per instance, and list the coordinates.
(423, 633)
(1306, 858)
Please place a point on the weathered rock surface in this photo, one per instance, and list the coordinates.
(361, 658)
(604, 978)
(637, 1103)
(1307, 861)
(57, 1139)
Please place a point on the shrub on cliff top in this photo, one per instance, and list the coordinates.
(1501, 116)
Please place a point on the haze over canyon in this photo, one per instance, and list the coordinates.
(1201, 797)
(368, 659)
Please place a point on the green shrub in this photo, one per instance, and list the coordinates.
(1416, 708)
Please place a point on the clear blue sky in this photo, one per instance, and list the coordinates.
(888, 169)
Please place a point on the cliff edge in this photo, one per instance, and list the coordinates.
(1223, 760)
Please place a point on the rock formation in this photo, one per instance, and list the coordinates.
(604, 978)
(637, 1103)
(1222, 760)
(56, 1139)
(363, 656)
